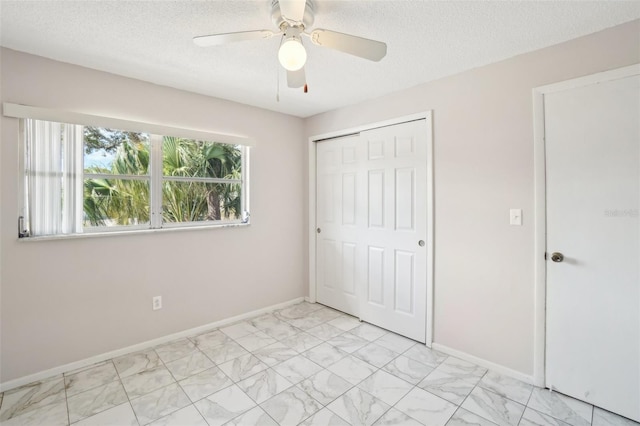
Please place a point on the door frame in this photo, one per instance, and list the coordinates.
(311, 150)
(540, 206)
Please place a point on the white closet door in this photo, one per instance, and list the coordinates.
(372, 222)
(337, 242)
(394, 233)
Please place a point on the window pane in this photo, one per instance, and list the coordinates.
(198, 201)
(115, 202)
(191, 158)
(115, 151)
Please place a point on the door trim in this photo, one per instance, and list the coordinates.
(540, 207)
(311, 147)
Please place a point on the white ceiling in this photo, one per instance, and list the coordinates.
(151, 40)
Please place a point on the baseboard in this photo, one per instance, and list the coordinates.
(42, 375)
(484, 363)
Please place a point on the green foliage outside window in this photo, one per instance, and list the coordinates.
(119, 200)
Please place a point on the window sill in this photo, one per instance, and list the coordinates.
(130, 232)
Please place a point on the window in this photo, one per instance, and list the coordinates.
(81, 179)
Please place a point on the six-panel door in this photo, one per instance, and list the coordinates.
(372, 216)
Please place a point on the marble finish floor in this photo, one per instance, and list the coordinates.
(302, 365)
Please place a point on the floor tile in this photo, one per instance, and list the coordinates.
(264, 385)
(561, 407)
(224, 405)
(191, 364)
(254, 417)
(30, 397)
(345, 323)
(408, 369)
(239, 329)
(291, 406)
(358, 407)
(348, 342)
(386, 387)
(463, 417)
(325, 331)
(275, 353)
(427, 356)
(491, 406)
(325, 314)
(159, 403)
(147, 381)
(302, 342)
(605, 418)
(325, 417)
(513, 389)
(226, 352)
(210, 339)
(297, 369)
(465, 370)
(281, 331)
(264, 321)
(50, 415)
(305, 323)
(175, 350)
(242, 367)
(368, 332)
(96, 400)
(90, 378)
(255, 341)
(299, 310)
(426, 407)
(325, 354)
(204, 384)
(375, 355)
(395, 342)
(453, 389)
(395, 417)
(122, 415)
(352, 369)
(325, 386)
(187, 416)
(129, 364)
(533, 418)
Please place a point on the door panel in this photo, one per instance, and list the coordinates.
(592, 142)
(397, 264)
(337, 242)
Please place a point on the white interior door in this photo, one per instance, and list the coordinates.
(592, 142)
(372, 219)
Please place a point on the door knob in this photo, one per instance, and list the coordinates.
(318, 230)
(421, 243)
(557, 257)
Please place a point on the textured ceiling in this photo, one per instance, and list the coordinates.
(151, 40)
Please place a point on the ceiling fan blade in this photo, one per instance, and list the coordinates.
(296, 79)
(293, 10)
(354, 45)
(218, 39)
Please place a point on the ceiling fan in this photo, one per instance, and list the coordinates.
(293, 18)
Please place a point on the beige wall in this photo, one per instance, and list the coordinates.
(483, 143)
(63, 301)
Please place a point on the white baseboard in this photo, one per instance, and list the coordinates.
(42, 375)
(484, 363)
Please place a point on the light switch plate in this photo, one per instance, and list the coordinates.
(515, 217)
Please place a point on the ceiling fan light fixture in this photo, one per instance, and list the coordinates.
(292, 54)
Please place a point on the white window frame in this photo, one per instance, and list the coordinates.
(155, 176)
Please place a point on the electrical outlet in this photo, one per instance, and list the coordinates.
(157, 303)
